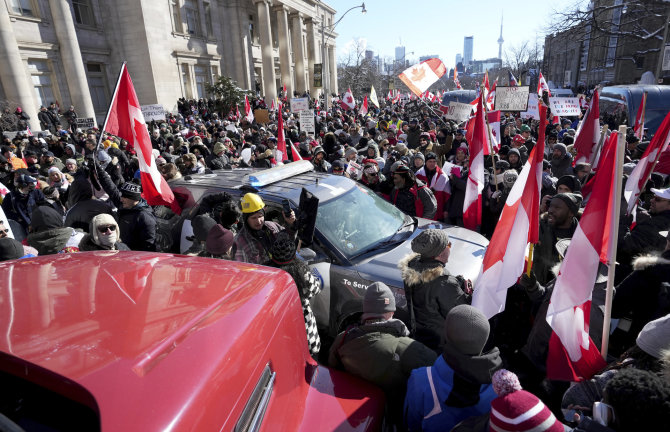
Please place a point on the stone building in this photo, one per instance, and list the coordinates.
(70, 51)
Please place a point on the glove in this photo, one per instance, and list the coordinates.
(496, 194)
(528, 282)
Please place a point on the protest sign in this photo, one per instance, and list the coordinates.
(413, 109)
(153, 112)
(262, 116)
(355, 170)
(458, 111)
(299, 104)
(85, 122)
(533, 110)
(307, 121)
(450, 169)
(565, 106)
(512, 98)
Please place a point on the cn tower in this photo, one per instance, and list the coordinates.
(500, 39)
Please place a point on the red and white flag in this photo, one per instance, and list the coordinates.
(456, 81)
(364, 109)
(542, 87)
(472, 205)
(639, 117)
(490, 99)
(637, 179)
(237, 113)
(572, 354)
(419, 77)
(440, 186)
(248, 113)
(272, 106)
(494, 124)
(348, 102)
(281, 138)
(126, 121)
(519, 223)
(588, 132)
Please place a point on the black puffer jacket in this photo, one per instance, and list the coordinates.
(434, 292)
(82, 205)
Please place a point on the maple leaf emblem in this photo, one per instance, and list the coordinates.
(350, 99)
(418, 74)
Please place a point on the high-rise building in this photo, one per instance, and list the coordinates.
(459, 58)
(369, 55)
(467, 50)
(400, 54)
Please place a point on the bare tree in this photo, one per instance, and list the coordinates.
(520, 59)
(357, 72)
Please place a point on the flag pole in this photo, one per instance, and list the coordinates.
(614, 236)
(111, 103)
(488, 128)
(599, 147)
(644, 109)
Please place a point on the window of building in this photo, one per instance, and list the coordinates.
(23, 8)
(208, 20)
(97, 85)
(201, 79)
(186, 81)
(252, 30)
(41, 75)
(83, 12)
(639, 62)
(176, 16)
(192, 17)
(215, 74)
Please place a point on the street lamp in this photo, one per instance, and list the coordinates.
(324, 59)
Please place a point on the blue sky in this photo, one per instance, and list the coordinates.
(437, 27)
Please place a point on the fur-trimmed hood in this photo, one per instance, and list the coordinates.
(415, 271)
(645, 261)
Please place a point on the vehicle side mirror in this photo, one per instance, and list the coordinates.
(307, 254)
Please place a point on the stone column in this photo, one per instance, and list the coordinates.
(269, 80)
(71, 58)
(13, 74)
(298, 52)
(313, 54)
(333, 70)
(284, 49)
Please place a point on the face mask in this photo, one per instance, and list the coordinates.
(107, 240)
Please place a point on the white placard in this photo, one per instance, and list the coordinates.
(533, 108)
(458, 111)
(307, 121)
(153, 112)
(355, 170)
(564, 106)
(514, 98)
(299, 104)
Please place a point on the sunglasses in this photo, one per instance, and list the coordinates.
(103, 229)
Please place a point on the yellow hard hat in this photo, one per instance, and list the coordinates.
(251, 203)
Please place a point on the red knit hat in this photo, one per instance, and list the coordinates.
(516, 410)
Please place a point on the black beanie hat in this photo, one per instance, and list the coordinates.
(45, 218)
(10, 249)
(572, 200)
(571, 182)
(283, 248)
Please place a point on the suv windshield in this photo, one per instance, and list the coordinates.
(358, 219)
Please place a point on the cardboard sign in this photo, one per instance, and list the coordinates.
(262, 116)
(458, 111)
(299, 104)
(512, 98)
(450, 169)
(355, 170)
(533, 110)
(153, 112)
(413, 109)
(564, 106)
(307, 122)
(86, 122)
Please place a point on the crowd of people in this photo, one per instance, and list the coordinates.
(69, 190)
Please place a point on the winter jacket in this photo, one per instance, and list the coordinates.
(252, 247)
(454, 206)
(86, 244)
(434, 292)
(644, 238)
(19, 207)
(138, 227)
(416, 200)
(83, 207)
(55, 240)
(562, 166)
(545, 254)
(217, 162)
(381, 353)
(428, 390)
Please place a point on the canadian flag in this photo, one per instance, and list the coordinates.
(419, 77)
(588, 132)
(126, 121)
(440, 186)
(456, 81)
(272, 106)
(512, 80)
(642, 171)
(364, 109)
(494, 124)
(281, 139)
(472, 205)
(542, 87)
(639, 118)
(572, 354)
(248, 114)
(518, 225)
(348, 102)
(663, 165)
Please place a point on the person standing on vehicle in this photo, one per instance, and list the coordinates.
(411, 195)
(379, 349)
(430, 289)
(255, 238)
